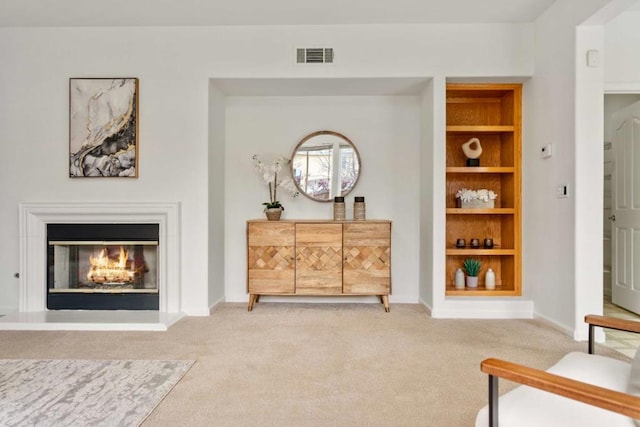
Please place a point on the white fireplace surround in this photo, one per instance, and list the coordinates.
(34, 218)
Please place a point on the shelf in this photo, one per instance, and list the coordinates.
(480, 128)
(480, 291)
(494, 211)
(480, 251)
(471, 99)
(480, 169)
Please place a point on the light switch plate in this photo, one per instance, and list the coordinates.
(562, 192)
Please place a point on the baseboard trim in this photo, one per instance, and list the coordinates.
(372, 299)
(426, 306)
(500, 309)
(216, 305)
(553, 324)
(7, 310)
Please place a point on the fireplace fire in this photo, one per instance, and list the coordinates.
(119, 270)
(102, 266)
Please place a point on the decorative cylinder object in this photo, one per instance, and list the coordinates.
(359, 209)
(339, 210)
(490, 280)
(459, 281)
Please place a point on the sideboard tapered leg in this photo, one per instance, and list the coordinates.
(385, 301)
(252, 299)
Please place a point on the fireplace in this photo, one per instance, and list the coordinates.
(102, 266)
(34, 221)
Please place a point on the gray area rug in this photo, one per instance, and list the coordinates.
(84, 392)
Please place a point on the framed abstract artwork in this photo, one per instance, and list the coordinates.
(103, 127)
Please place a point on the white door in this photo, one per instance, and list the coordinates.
(625, 234)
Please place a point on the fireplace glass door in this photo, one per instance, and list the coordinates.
(102, 266)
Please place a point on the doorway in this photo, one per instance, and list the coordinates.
(624, 342)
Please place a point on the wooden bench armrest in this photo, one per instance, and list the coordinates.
(613, 323)
(609, 323)
(611, 400)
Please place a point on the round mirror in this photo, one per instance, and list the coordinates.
(324, 165)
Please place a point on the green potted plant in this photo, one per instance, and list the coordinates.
(269, 174)
(472, 267)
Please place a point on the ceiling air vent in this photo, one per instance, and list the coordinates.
(315, 55)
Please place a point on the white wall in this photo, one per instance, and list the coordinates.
(557, 229)
(174, 66)
(589, 188)
(34, 122)
(430, 100)
(621, 58)
(550, 121)
(216, 184)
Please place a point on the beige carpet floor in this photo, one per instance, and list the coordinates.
(317, 364)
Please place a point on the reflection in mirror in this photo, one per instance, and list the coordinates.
(325, 164)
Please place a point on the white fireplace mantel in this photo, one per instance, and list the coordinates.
(34, 218)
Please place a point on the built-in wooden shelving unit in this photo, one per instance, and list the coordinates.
(492, 113)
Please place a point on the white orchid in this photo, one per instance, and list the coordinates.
(269, 174)
(486, 195)
(467, 195)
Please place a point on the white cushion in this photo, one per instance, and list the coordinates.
(634, 379)
(529, 407)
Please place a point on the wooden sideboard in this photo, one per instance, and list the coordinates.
(317, 257)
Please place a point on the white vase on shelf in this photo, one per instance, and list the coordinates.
(459, 281)
(490, 279)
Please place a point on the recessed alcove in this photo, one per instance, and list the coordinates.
(384, 117)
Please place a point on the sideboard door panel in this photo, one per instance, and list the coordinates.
(367, 258)
(271, 262)
(318, 259)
